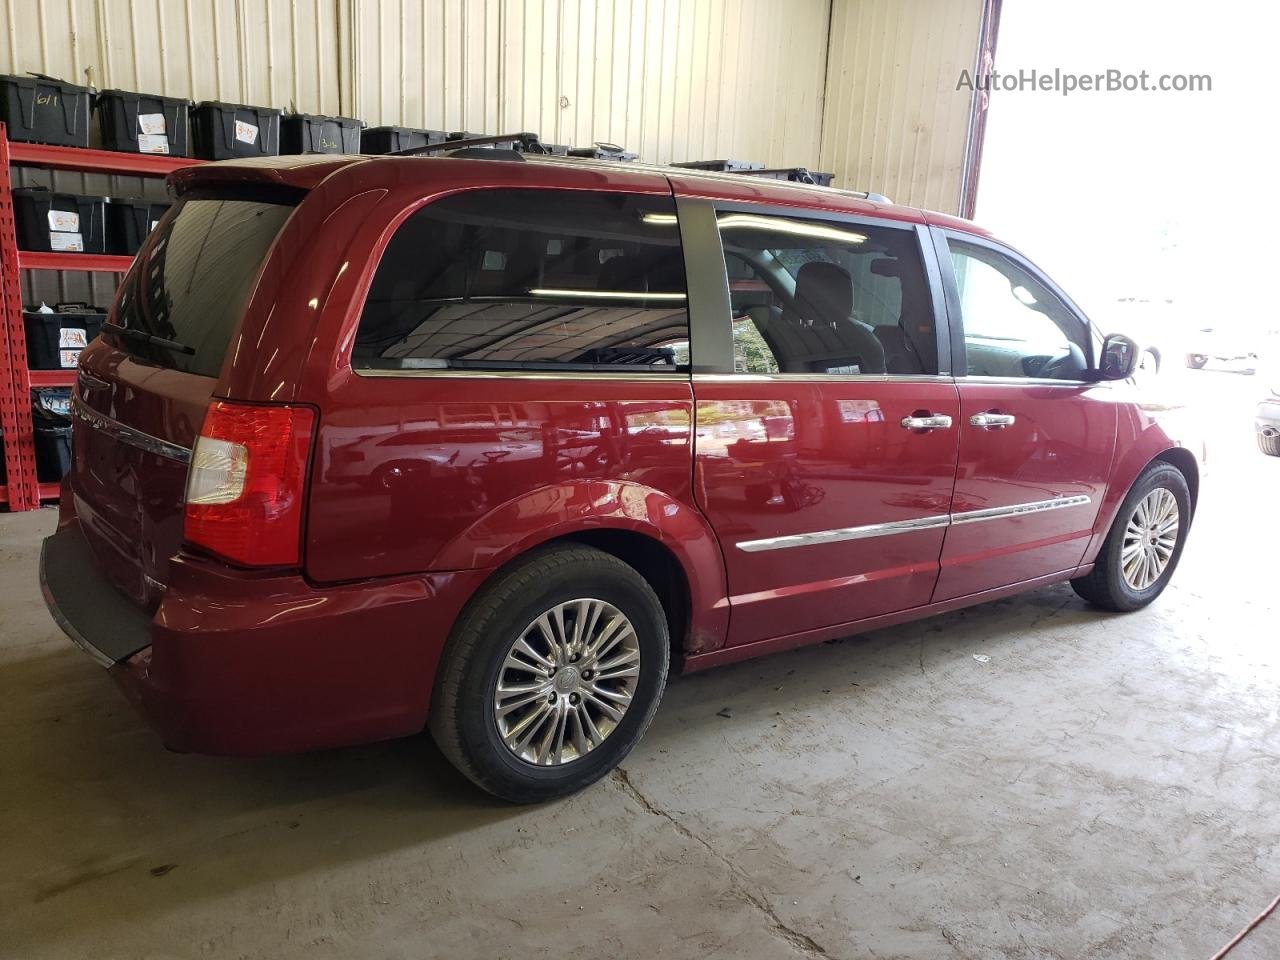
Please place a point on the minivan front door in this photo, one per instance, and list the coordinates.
(1036, 439)
(825, 435)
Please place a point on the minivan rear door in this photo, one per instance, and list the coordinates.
(825, 447)
(144, 386)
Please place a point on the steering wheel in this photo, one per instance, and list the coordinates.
(1068, 366)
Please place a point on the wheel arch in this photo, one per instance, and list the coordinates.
(1185, 462)
(666, 541)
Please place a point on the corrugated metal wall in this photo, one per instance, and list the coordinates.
(271, 52)
(894, 122)
(670, 79)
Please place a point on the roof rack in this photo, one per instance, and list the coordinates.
(522, 143)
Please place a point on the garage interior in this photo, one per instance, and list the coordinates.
(1030, 778)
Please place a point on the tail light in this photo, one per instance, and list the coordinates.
(245, 486)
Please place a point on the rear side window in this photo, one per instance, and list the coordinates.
(530, 280)
(191, 284)
(827, 297)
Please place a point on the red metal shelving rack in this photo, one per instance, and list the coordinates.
(23, 490)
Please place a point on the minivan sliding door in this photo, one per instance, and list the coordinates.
(825, 443)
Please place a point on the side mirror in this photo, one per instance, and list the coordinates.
(1119, 358)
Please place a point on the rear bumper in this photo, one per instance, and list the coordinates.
(241, 662)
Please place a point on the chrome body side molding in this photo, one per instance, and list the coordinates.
(906, 526)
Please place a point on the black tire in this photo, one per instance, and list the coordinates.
(462, 718)
(1106, 586)
(1196, 361)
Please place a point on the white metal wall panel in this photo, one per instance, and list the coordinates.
(669, 79)
(894, 122)
(262, 52)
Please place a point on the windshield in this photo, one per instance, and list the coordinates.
(190, 285)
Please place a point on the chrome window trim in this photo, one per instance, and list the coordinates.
(907, 526)
(851, 379)
(526, 375)
(130, 435)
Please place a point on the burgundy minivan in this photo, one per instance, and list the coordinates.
(370, 445)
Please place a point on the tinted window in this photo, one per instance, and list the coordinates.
(530, 280)
(820, 296)
(1014, 326)
(192, 283)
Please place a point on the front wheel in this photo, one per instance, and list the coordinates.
(1145, 542)
(551, 674)
(1196, 361)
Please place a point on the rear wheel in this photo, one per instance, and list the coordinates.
(551, 675)
(1196, 361)
(1269, 443)
(1145, 542)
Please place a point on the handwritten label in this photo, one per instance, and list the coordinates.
(151, 123)
(246, 132)
(68, 358)
(69, 337)
(64, 220)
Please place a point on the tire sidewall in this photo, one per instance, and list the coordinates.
(1169, 478)
(612, 582)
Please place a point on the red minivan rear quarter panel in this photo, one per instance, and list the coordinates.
(438, 471)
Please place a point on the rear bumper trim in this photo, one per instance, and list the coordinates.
(97, 617)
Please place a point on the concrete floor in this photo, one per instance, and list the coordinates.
(1101, 786)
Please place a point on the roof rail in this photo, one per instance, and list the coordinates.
(527, 143)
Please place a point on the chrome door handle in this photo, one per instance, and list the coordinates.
(934, 421)
(992, 421)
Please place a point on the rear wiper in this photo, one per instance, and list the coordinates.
(151, 338)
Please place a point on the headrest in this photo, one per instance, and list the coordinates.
(824, 292)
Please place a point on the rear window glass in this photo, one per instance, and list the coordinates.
(191, 285)
(530, 280)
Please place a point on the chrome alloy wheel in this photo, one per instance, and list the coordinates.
(1149, 539)
(566, 682)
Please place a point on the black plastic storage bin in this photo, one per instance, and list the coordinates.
(51, 418)
(129, 222)
(303, 133)
(39, 109)
(143, 122)
(393, 139)
(603, 151)
(556, 149)
(59, 222)
(54, 340)
(798, 175)
(224, 131)
(720, 166)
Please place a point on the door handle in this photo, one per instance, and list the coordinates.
(992, 421)
(933, 421)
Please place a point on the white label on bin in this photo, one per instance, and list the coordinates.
(246, 132)
(68, 358)
(77, 337)
(64, 220)
(153, 143)
(60, 405)
(66, 242)
(153, 225)
(151, 123)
